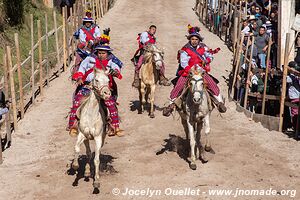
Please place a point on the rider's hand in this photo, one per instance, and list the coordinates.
(79, 82)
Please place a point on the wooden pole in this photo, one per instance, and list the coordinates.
(1, 159)
(32, 60)
(72, 31)
(40, 56)
(248, 74)
(101, 8)
(19, 74)
(56, 41)
(237, 63)
(12, 86)
(266, 77)
(67, 38)
(283, 89)
(47, 50)
(64, 39)
(6, 92)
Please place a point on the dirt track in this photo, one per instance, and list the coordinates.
(247, 155)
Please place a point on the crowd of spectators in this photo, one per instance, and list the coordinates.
(261, 27)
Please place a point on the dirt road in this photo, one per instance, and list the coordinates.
(247, 156)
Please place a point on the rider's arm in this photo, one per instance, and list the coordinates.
(116, 70)
(82, 36)
(144, 38)
(184, 59)
(83, 68)
(97, 33)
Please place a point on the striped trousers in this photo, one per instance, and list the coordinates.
(110, 104)
(211, 86)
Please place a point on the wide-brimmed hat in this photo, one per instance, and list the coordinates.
(194, 31)
(88, 17)
(103, 47)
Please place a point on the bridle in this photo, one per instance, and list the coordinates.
(194, 90)
(98, 91)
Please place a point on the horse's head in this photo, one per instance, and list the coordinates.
(157, 55)
(196, 85)
(100, 84)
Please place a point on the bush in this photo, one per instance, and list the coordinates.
(14, 11)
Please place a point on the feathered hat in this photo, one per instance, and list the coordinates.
(105, 38)
(88, 16)
(194, 31)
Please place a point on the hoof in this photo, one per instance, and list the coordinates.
(87, 174)
(203, 158)
(207, 148)
(75, 166)
(140, 112)
(152, 115)
(96, 185)
(193, 166)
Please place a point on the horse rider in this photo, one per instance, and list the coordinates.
(195, 53)
(102, 59)
(89, 36)
(145, 38)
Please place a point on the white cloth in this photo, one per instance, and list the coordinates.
(292, 91)
(82, 35)
(89, 62)
(254, 80)
(185, 58)
(144, 37)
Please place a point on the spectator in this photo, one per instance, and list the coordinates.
(293, 86)
(261, 42)
(3, 105)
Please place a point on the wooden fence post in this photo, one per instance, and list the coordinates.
(64, 39)
(19, 74)
(47, 50)
(248, 74)
(40, 68)
(237, 63)
(32, 60)
(12, 86)
(56, 42)
(6, 92)
(266, 77)
(283, 89)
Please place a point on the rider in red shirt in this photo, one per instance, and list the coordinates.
(145, 38)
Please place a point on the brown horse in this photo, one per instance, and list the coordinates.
(149, 75)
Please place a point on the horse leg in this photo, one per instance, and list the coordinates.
(193, 165)
(142, 97)
(80, 139)
(98, 141)
(152, 101)
(87, 171)
(207, 146)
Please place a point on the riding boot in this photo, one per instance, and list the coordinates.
(167, 111)
(73, 131)
(136, 81)
(164, 81)
(221, 104)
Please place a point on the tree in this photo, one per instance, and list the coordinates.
(14, 11)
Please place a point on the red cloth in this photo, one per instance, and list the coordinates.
(89, 33)
(195, 60)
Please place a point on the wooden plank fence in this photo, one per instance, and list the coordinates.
(225, 18)
(23, 93)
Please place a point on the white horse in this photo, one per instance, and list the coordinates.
(196, 112)
(153, 61)
(92, 123)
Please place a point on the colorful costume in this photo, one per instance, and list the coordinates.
(144, 39)
(86, 74)
(200, 56)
